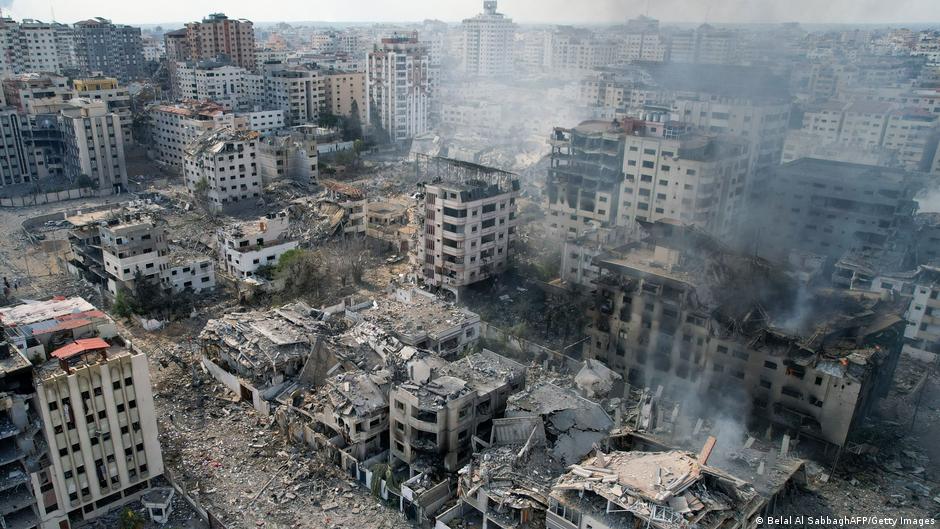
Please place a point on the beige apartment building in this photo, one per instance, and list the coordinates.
(341, 90)
(469, 222)
(96, 405)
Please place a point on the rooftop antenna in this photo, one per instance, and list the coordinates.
(52, 10)
(647, 8)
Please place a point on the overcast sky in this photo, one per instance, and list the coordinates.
(525, 11)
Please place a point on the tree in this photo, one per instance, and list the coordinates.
(303, 273)
(352, 125)
(131, 520)
(122, 304)
(328, 120)
(84, 180)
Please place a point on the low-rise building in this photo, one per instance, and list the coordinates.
(247, 246)
(420, 319)
(36, 328)
(433, 422)
(291, 156)
(353, 202)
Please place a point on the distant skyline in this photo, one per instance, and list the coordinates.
(523, 11)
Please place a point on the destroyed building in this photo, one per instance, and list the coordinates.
(21, 445)
(111, 249)
(245, 247)
(353, 202)
(664, 490)
(420, 319)
(221, 167)
(572, 423)
(38, 327)
(508, 484)
(678, 309)
(468, 221)
(388, 221)
(435, 420)
(254, 350)
(351, 408)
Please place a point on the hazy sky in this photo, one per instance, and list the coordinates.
(526, 11)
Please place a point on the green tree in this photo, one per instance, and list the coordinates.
(131, 520)
(84, 180)
(352, 125)
(122, 304)
(303, 272)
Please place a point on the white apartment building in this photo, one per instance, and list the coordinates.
(399, 87)
(291, 156)
(488, 40)
(36, 47)
(246, 246)
(692, 178)
(94, 144)
(132, 244)
(173, 127)
(263, 121)
(223, 164)
(296, 91)
(96, 405)
(469, 222)
(221, 83)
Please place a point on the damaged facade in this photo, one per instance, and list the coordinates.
(87, 393)
(247, 246)
(468, 221)
(112, 249)
(679, 310)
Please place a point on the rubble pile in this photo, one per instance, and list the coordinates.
(664, 489)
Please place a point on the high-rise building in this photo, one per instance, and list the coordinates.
(222, 165)
(341, 90)
(469, 222)
(173, 127)
(399, 87)
(114, 50)
(295, 90)
(680, 310)
(116, 97)
(14, 156)
(217, 37)
(488, 40)
(94, 145)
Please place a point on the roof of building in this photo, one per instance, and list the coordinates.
(31, 312)
(214, 141)
(80, 346)
(411, 315)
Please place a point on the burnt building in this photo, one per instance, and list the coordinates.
(680, 310)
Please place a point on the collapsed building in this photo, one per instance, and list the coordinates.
(572, 423)
(434, 421)
(667, 489)
(420, 319)
(681, 311)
